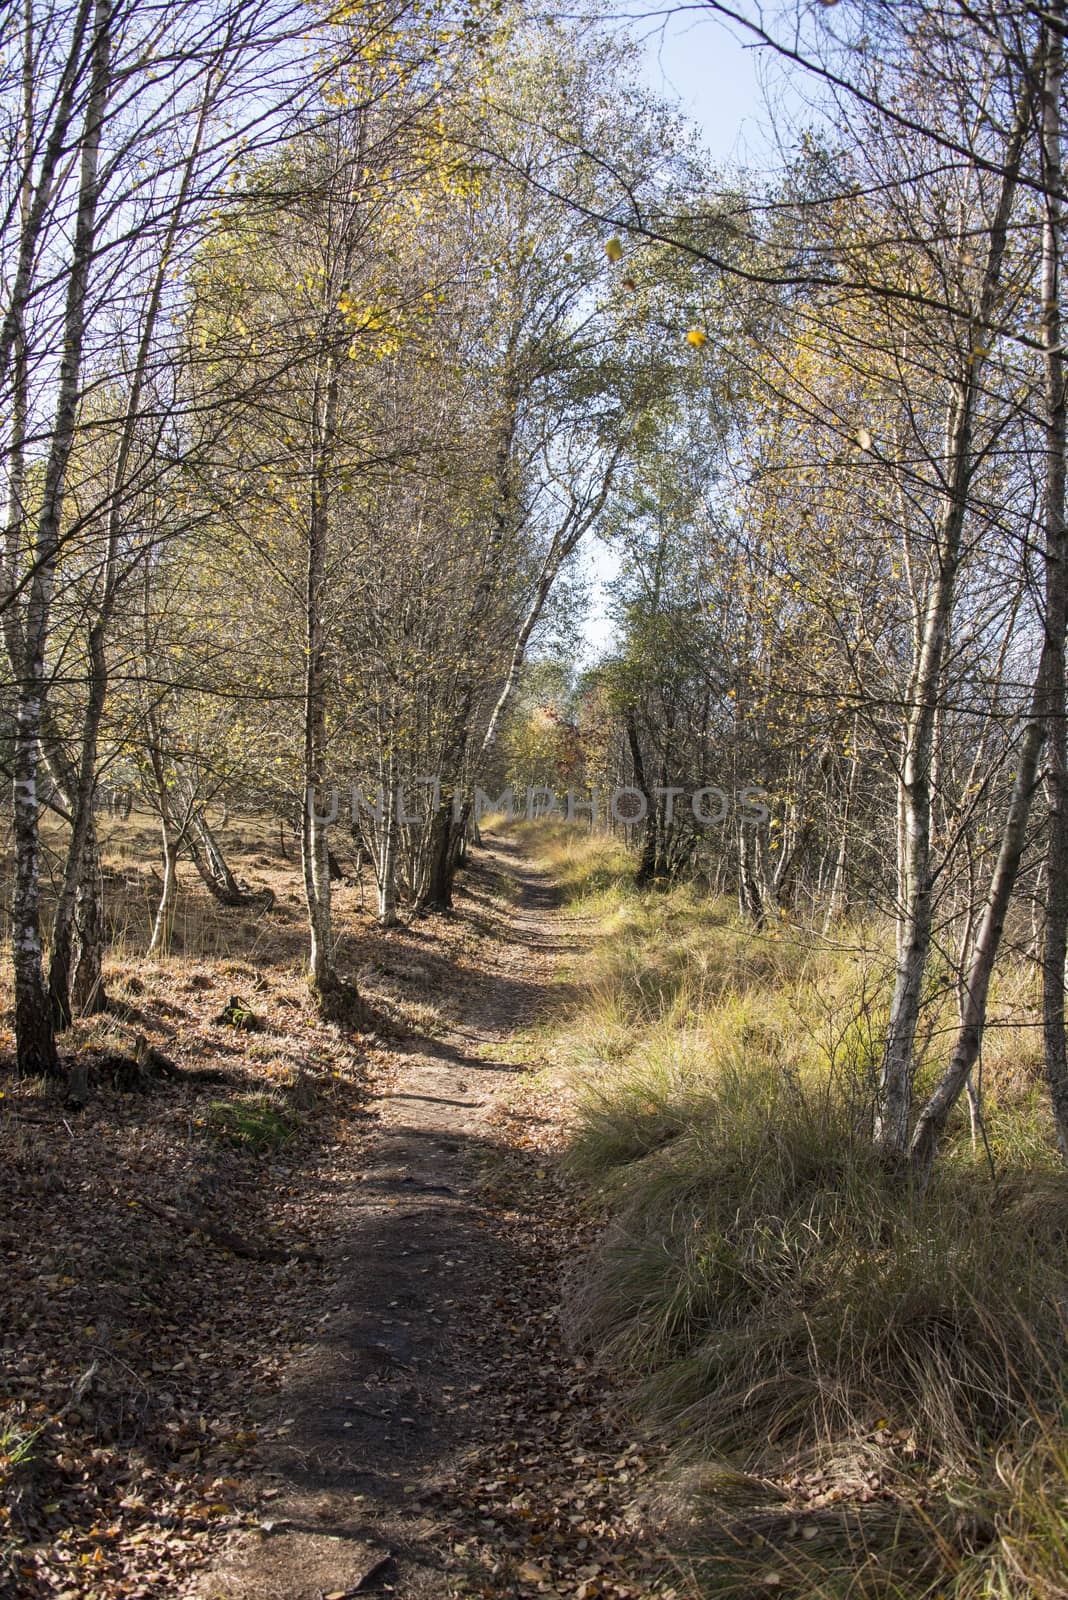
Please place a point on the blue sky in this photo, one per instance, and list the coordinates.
(712, 75)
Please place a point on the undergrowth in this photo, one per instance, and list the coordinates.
(866, 1388)
(258, 1122)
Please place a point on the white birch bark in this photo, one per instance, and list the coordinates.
(894, 1103)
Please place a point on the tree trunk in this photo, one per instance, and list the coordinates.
(88, 994)
(647, 860)
(163, 927)
(315, 846)
(1056, 576)
(35, 199)
(79, 791)
(836, 898)
(580, 516)
(894, 1104)
(212, 865)
(438, 893)
(931, 1122)
(34, 1031)
(387, 863)
(791, 850)
(458, 847)
(35, 1039)
(917, 885)
(748, 890)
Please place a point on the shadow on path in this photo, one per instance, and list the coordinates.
(395, 1386)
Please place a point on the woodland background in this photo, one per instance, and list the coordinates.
(330, 337)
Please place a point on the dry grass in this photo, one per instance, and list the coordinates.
(408, 973)
(868, 1389)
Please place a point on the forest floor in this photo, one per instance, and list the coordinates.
(289, 1325)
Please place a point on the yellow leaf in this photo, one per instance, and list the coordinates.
(613, 249)
(697, 337)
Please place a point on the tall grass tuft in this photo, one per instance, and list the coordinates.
(867, 1386)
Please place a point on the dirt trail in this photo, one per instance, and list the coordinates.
(440, 1280)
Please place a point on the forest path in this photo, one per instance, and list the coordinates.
(441, 1348)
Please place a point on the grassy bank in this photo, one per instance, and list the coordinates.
(867, 1391)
